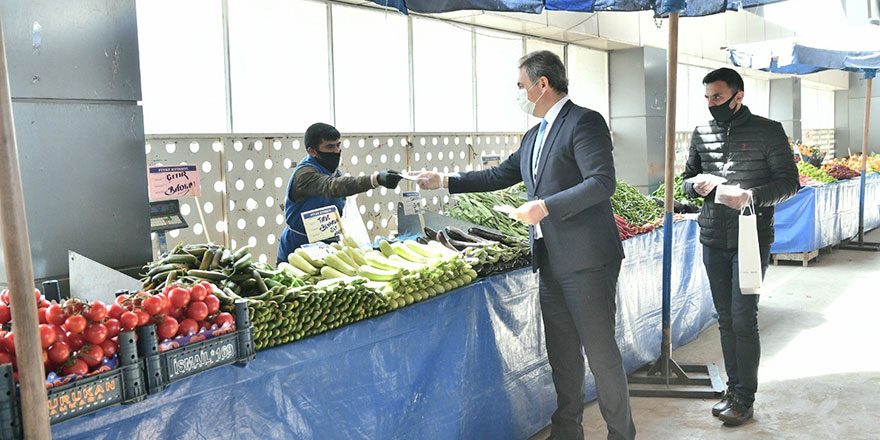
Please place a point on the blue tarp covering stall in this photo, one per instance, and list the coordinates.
(694, 8)
(817, 217)
(468, 364)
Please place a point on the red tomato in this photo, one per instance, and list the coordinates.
(5, 314)
(213, 304)
(38, 296)
(59, 352)
(129, 321)
(178, 297)
(47, 335)
(97, 311)
(79, 368)
(9, 343)
(176, 313)
(55, 314)
(121, 299)
(204, 325)
(224, 318)
(197, 311)
(95, 334)
(4, 296)
(109, 348)
(41, 316)
(168, 328)
(166, 289)
(75, 324)
(115, 311)
(207, 286)
(60, 334)
(45, 303)
(142, 316)
(75, 341)
(5, 358)
(187, 327)
(113, 327)
(139, 298)
(153, 305)
(93, 355)
(198, 292)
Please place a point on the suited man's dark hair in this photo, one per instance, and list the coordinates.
(548, 64)
(320, 132)
(729, 76)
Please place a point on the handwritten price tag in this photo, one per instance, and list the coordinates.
(411, 203)
(174, 182)
(322, 223)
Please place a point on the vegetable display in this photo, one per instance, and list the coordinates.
(678, 194)
(477, 208)
(488, 251)
(633, 206)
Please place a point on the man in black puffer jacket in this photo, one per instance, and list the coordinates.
(752, 152)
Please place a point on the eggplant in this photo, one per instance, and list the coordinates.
(460, 235)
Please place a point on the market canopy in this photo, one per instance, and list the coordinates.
(854, 49)
(695, 8)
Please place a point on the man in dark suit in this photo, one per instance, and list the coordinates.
(568, 169)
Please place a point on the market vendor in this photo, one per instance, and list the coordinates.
(316, 182)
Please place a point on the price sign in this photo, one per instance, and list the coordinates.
(174, 182)
(412, 203)
(322, 223)
(318, 251)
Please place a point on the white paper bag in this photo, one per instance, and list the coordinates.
(750, 277)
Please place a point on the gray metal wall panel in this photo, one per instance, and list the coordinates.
(82, 49)
(84, 178)
(626, 77)
(841, 122)
(654, 81)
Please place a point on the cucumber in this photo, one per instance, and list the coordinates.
(239, 254)
(338, 264)
(300, 263)
(189, 260)
(385, 247)
(206, 260)
(243, 262)
(375, 274)
(356, 255)
(208, 275)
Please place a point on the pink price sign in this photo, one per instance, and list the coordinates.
(173, 182)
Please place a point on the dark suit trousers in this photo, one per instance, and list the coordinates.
(578, 310)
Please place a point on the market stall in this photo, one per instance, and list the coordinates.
(467, 364)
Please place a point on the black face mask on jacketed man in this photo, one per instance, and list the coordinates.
(722, 112)
(328, 160)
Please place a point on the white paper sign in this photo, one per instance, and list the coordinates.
(318, 251)
(412, 203)
(322, 223)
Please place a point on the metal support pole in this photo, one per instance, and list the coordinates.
(20, 272)
(862, 245)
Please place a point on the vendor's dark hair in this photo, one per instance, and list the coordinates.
(320, 132)
(729, 76)
(545, 63)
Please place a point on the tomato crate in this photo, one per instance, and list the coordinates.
(68, 399)
(203, 352)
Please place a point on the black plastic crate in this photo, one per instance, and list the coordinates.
(123, 384)
(164, 368)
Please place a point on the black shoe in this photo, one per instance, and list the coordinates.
(737, 414)
(726, 399)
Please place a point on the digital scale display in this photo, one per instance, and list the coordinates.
(165, 216)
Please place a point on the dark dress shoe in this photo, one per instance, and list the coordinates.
(726, 399)
(737, 414)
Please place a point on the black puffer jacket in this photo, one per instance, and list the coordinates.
(750, 151)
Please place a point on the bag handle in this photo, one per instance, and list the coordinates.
(750, 205)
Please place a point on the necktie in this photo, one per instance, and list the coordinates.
(536, 152)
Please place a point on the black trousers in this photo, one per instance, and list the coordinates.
(737, 320)
(578, 311)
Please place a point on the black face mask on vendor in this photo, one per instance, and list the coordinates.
(328, 160)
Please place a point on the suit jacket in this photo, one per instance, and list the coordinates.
(575, 179)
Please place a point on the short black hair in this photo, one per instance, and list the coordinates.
(320, 132)
(548, 64)
(729, 76)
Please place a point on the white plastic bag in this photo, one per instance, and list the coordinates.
(352, 224)
(750, 277)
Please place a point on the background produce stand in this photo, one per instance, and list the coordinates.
(823, 216)
(470, 364)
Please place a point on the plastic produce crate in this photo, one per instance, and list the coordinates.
(123, 384)
(164, 368)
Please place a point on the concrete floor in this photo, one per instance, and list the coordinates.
(820, 366)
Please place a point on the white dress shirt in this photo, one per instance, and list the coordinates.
(550, 117)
